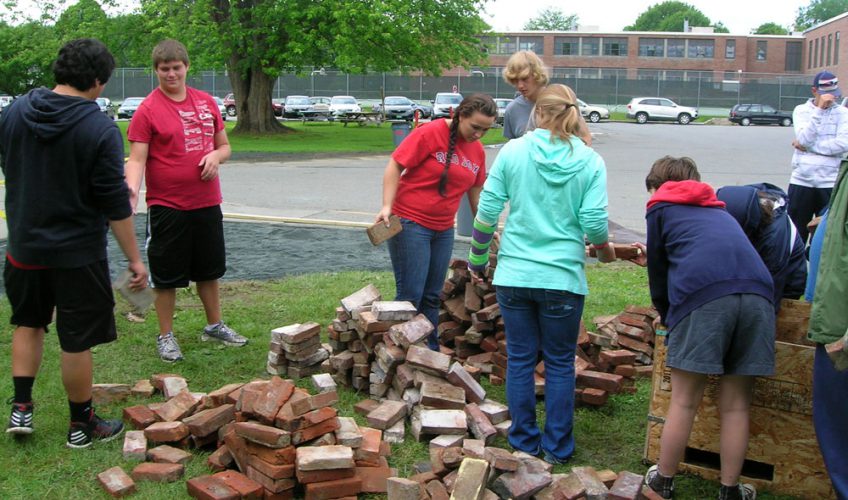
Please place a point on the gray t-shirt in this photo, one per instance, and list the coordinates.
(516, 117)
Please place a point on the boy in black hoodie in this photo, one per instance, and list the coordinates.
(63, 163)
(714, 294)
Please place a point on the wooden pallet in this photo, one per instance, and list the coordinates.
(783, 454)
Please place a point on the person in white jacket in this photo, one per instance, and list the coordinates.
(821, 140)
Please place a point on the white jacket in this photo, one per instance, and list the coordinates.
(824, 132)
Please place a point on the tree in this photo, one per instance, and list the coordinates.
(552, 19)
(26, 53)
(770, 29)
(670, 16)
(818, 11)
(258, 39)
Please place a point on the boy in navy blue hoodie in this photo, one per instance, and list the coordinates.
(714, 295)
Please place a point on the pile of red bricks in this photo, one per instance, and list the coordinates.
(296, 350)
(467, 468)
(271, 440)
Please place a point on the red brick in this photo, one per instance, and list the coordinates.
(286, 420)
(177, 408)
(310, 433)
(237, 447)
(116, 482)
(437, 491)
(626, 487)
(618, 357)
(370, 448)
(220, 459)
(168, 455)
(274, 485)
(303, 405)
(333, 489)
(271, 470)
(365, 406)
(625, 371)
(166, 432)
(283, 495)
(318, 476)
(263, 434)
(158, 380)
(206, 422)
(275, 456)
(277, 392)
(594, 397)
(599, 380)
(158, 472)
(374, 478)
(247, 488)
(218, 397)
(139, 416)
(479, 423)
(210, 488)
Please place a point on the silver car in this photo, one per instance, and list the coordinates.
(659, 108)
(593, 113)
(128, 107)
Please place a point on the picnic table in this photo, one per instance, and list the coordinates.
(311, 115)
(362, 118)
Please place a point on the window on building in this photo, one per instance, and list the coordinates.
(590, 46)
(732, 75)
(647, 74)
(590, 73)
(810, 55)
(816, 55)
(794, 51)
(674, 75)
(829, 47)
(821, 52)
(730, 49)
(566, 46)
(762, 48)
(532, 43)
(651, 47)
(507, 45)
(836, 50)
(675, 47)
(564, 73)
(612, 73)
(615, 46)
(694, 76)
(702, 49)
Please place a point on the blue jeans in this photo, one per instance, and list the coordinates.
(547, 320)
(420, 259)
(830, 412)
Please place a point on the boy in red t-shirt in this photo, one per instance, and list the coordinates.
(177, 139)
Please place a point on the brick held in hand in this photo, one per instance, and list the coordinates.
(622, 251)
(378, 232)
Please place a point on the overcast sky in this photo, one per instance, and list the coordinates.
(740, 16)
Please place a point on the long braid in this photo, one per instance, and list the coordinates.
(454, 132)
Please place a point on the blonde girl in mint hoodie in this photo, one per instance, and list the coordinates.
(557, 193)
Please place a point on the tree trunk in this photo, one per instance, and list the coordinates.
(253, 101)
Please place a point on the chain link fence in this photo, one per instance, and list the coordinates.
(695, 88)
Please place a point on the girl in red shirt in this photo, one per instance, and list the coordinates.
(424, 190)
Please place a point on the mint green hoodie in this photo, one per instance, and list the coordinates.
(557, 192)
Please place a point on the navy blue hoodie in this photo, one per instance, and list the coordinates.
(63, 163)
(697, 252)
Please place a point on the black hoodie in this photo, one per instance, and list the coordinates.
(64, 166)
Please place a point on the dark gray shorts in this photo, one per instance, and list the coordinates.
(732, 335)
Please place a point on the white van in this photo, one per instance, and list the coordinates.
(444, 103)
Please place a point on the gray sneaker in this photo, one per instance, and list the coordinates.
(168, 348)
(223, 333)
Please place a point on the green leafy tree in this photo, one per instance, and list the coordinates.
(770, 29)
(670, 16)
(26, 53)
(552, 19)
(818, 11)
(258, 39)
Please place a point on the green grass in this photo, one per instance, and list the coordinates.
(320, 137)
(621, 116)
(41, 467)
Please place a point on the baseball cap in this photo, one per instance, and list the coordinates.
(827, 83)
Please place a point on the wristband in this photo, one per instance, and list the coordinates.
(601, 246)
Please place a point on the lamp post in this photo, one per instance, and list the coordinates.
(312, 79)
(483, 75)
(738, 86)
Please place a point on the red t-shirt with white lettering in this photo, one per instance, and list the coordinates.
(179, 135)
(422, 155)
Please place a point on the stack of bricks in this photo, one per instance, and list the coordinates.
(256, 430)
(468, 469)
(296, 350)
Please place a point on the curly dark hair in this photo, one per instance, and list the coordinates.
(83, 63)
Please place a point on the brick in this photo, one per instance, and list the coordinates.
(210, 488)
(595, 487)
(368, 323)
(116, 482)
(471, 480)
(452, 457)
(479, 423)
(218, 397)
(171, 386)
(635, 345)
(649, 494)
(291, 423)
(443, 422)
(413, 332)
(323, 382)
(348, 433)
(628, 371)
(273, 471)
(220, 459)
(446, 441)
(206, 422)
(424, 359)
(618, 357)
(458, 376)
(319, 476)
(399, 488)
(168, 454)
(277, 392)
(395, 433)
(309, 433)
(489, 313)
(247, 488)
(594, 397)
(437, 490)
(324, 457)
(456, 308)
(157, 380)
(531, 462)
(135, 446)
(143, 388)
(139, 416)
(386, 414)
(442, 396)
(305, 347)
(502, 460)
(636, 333)
(158, 472)
(627, 486)
(563, 487)
(374, 479)
(393, 310)
(276, 456)
(437, 465)
(474, 448)
(363, 297)
(327, 439)
(496, 412)
(473, 302)
(369, 450)
(263, 434)
(333, 489)
(521, 484)
(104, 394)
(297, 333)
(599, 380)
(177, 407)
(303, 405)
(365, 406)
(166, 432)
(272, 485)
(608, 477)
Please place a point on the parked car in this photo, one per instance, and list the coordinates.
(128, 107)
(644, 109)
(746, 114)
(397, 108)
(221, 107)
(343, 104)
(426, 110)
(278, 105)
(106, 107)
(230, 104)
(445, 103)
(320, 100)
(593, 113)
(502, 104)
(294, 104)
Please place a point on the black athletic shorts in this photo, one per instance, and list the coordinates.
(185, 245)
(82, 298)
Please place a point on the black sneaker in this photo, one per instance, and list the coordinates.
(20, 421)
(661, 485)
(82, 434)
(738, 492)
